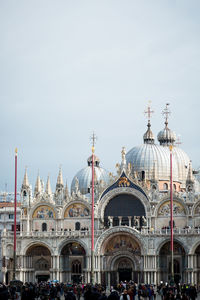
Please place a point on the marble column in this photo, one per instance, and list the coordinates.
(108, 279)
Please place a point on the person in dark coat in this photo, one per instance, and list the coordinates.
(4, 295)
(113, 295)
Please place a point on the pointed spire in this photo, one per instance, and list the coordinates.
(38, 188)
(190, 177)
(148, 136)
(48, 187)
(60, 178)
(25, 181)
(66, 193)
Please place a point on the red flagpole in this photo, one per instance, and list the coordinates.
(171, 218)
(15, 217)
(92, 221)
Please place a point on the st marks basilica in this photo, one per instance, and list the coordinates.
(131, 215)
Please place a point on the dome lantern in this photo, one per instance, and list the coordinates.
(166, 136)
(148, 136)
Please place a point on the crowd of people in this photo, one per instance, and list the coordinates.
(122, 291)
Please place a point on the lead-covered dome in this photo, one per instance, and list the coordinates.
(166, 137)
(153, 161)
(84, 177)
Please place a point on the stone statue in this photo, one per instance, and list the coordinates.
(143, 221)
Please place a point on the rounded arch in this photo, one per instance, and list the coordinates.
(196, 208)
(132, 206)
(76, 209)
(65, 242)
(44, 205)
(167, 240)
(73, 248)
(194, 247)
(37, 243)
(166, 200)
(120, 242)
(131, 232)
(40, 249)
(119, 191)
(116, 261)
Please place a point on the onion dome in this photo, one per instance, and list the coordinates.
(96, 161)
(84, 177)
(166, 136)
(148, 136)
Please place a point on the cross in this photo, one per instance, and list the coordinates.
(166, 112)
(178, 142)
(93, 138)
(149, 111)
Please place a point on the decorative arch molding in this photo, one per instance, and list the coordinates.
(166, 199)
(38, 243)
(80, 202)
(135, 262)
(118, 191)
(120, 230)
(195, 245)
(195, 207)
(65, 242)
(166, 240)
(33, 209)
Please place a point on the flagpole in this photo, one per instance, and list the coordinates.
(92, 220)
(15, 218)
(171, 218)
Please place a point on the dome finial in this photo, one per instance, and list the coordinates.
(166, 113)
(148, 112)
(93, 139)
(148, 136)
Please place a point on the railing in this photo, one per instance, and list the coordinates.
(77, 233)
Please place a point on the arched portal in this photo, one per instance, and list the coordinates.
(121, 259)
(179, 262)
(73, 261)
(38, 258)
(125, 209)
(124, 267)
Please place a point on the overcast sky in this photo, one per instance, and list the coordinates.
(68, 68)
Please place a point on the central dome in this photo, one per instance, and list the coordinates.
(154, 160)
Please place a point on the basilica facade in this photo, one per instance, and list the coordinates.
(131, 221)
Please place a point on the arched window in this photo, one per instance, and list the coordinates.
(165, 186)
(24, 194)
(77, 226)
(44, 226)
(174, 187)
